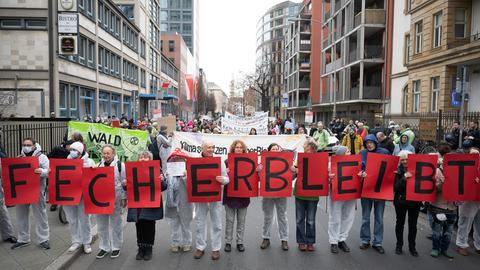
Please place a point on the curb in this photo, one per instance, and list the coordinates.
(66, 259)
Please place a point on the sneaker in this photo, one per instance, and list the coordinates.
(19, 245)
(334, 248)
(379, 249)
(12, 240)
(115, 254)
(398, 251)
(285, 245)
(44, 245)
(302, 247)
(175, 249)
(413, 252)
(198, 254)
(364, 246)
(102, 254)
(462, 251)
(343, 246)
(87, 249)
(215, 255)
(265, 244)
(310, 248)
(447, 254)
(187, 248)
(434, 253)
(240, 247)
(228, 247)
(73, 247)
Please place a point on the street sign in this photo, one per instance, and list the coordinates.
(68, 23)
(308, 117)
(67, 5)
(67, 45)
(285, 100)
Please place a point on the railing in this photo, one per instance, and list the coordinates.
(352, 56)
(373, 52)
(333, 66)
(302, 103)
(305, 47)
(372, 92)
(304, 84)
(372, 16)
(47, 132)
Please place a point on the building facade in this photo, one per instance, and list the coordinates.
(353, 76)
(442, 42)
(116, 70)
(271, 51)
(221, 99)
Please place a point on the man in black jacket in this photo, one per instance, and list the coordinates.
(60, 151)
(385, 142)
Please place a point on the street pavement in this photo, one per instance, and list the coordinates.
(275, 258)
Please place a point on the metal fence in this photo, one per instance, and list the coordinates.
(47, 132)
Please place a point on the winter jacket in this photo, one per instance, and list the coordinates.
(378, 150)
(409, 133)
(119, 177)
(400, 189)
(136, 214)
(321, 137)
(400, 146)
(387, 144)
(358, 143)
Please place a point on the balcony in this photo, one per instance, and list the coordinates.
(372, 16)
(372, 92)
(304, 84)
(372, 52)
(352, 56)
(305, 65)
(333, 66)
(302, 103)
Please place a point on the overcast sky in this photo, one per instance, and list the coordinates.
(228, 37)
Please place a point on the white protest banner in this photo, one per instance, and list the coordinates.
(191, 143)
(242, 125)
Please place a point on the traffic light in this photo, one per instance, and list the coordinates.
(68, 45)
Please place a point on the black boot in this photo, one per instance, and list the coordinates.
(141, 252)
(147, 256)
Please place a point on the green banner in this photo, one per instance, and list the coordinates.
(127, 142)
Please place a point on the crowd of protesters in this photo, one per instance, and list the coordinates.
(354, 137)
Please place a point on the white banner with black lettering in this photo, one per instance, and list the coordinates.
(191, 143)
(238, 125)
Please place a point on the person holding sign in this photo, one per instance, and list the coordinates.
(215, 209)
(235, 207)
(341, 214)
(113, 221)
(404, 206)
(444, 216)
(468, 215)
(78, 221)
(145, 218)
(306, 210)
(164, 142)
(32, 149)
(177, 209)
(6, 227)
(371, 146)
(280, 204)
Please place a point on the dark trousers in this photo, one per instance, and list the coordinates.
(145, 231)
(442, 231)
(402, 210)
(305, 217)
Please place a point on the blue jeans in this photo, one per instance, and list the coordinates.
(305, 214)
(379, 208)
(442, 232)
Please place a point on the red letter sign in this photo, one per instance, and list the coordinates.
(312, 177)
(460, 171)
(346, 185)
(243, 175)
(20, 182)
(380, 176)
(201, 183)
(65, 181)
(144, 189)
(99, 190)
(423, 185)
(276, 175)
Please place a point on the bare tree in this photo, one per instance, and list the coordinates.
(259, 81)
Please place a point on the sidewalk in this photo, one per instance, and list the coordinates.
(33, 257)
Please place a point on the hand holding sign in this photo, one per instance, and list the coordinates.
(243, 176)
(424, 170)
(20, 182)
(346, 184)
(202, 183)
(378, 182)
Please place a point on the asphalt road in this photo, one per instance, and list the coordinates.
(275, 258)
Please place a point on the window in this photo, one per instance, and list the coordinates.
(130, 37)
(435, 94)
(187, 28)
(86, 53)
(437, 30)
(174, 4)
(108, 20)
(153, 60)
(91, 54)
(69, 100)
(143, 78)
(408, 49)
(186, 16)
(87, 102)
(86, 7)
(418, 36)
(108, 62)
(127, 106)
(175, 27)
(128, 11)
(171, 45)
(187, 4)
(142, 48)
(130, 72)
(416, 96)
(101, 53)
(63, 100)
(82, 50)
(174, 15)
(115, 105)
(103, 102)
(21, 24)
(460, 23)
